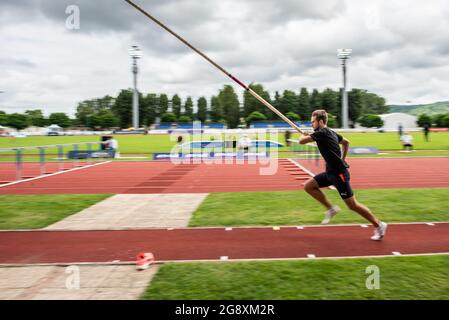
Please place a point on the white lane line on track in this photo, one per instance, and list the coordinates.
(53, 174)
(9, 265)
(238, 228)
(307, 171)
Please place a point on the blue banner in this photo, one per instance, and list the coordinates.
(363, 150)
(77, 154)
(209, 155)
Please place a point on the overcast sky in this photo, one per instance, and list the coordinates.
(400, 48)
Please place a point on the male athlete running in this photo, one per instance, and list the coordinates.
(336, 173)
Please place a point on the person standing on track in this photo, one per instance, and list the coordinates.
(336, 173)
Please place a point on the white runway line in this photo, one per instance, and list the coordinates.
(53, 174)
(307, 171)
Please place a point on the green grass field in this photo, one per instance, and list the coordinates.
(297, 207)
(400, 278)
(243, 208)
(163, 143)
(39, 211)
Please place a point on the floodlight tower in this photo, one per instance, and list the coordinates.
(135, 54)
(343, 55)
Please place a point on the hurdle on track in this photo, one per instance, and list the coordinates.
(27, 162)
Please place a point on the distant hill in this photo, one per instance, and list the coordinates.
(430, 109)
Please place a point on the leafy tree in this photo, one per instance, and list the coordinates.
(331, 121)
(293, 116)
(355, 104)
(315, 101)
(168, 117)
(148, 109)
(424, 119)
(84, 111)
(216, 113)
(163, 104)
(17, 121)
(288, 102)
(231, 106)
(303, 109)
(93, 121)
(371, 120)
(202, 109)
(251, 104)
(176, 105)
(373, 103)
(446, 121)
(61, 119)
(439, 121)
(330, 102)
(277, 104)
(184, 119)
(107, 119)
(122, 108)
(188, 108)
(3, 118)
(255, 116)
(36, 118)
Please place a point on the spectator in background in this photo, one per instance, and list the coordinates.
(104, 142)
(426, 129)
(400, 130)
(288, 134)
(112, 144)
(407, 141)
(244, 143)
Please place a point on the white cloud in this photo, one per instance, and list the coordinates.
(400, 50)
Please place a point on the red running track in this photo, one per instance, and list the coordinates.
(166, 177)
(393, 172)
(33, 247)
(32, 169)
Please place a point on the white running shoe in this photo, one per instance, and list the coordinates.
(330, 214)
(380, 231)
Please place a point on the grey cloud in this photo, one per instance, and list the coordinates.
(11, 62)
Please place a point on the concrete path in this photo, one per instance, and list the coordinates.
(132, 211)
(82, 282)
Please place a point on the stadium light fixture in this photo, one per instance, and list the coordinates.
(343, 55)
(135, 54)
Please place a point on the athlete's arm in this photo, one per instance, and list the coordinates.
(305, 138)
(345, 143)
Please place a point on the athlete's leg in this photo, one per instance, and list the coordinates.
(313, 189)
(364, 211)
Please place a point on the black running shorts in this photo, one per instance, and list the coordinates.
(339, 180)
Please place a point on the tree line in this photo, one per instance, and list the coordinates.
(224, 107)
(35, 118)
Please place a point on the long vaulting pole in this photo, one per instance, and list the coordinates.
(254, 94)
